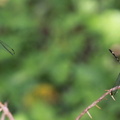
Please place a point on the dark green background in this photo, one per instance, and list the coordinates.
(62, 63)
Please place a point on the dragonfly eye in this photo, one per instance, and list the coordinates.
(7, 48)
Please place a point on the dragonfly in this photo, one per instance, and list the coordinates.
(117, 82)
(7, 48)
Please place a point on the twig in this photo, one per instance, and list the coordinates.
(6, 112)
(97, 101)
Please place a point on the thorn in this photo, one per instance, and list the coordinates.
(113, 97)
(106, 90)
(98, 107)
(89, 114)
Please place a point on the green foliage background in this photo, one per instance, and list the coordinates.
(62, 63)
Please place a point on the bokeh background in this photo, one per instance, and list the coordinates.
(62, 63)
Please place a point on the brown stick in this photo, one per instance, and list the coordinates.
(6, 112)
(97, 101)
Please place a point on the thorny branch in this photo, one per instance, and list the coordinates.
(97, 101)
(6, 112)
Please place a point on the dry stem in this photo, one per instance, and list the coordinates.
(97, 101)
(6, 112)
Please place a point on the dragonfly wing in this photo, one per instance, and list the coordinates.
(117, 83)
(7, 48)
